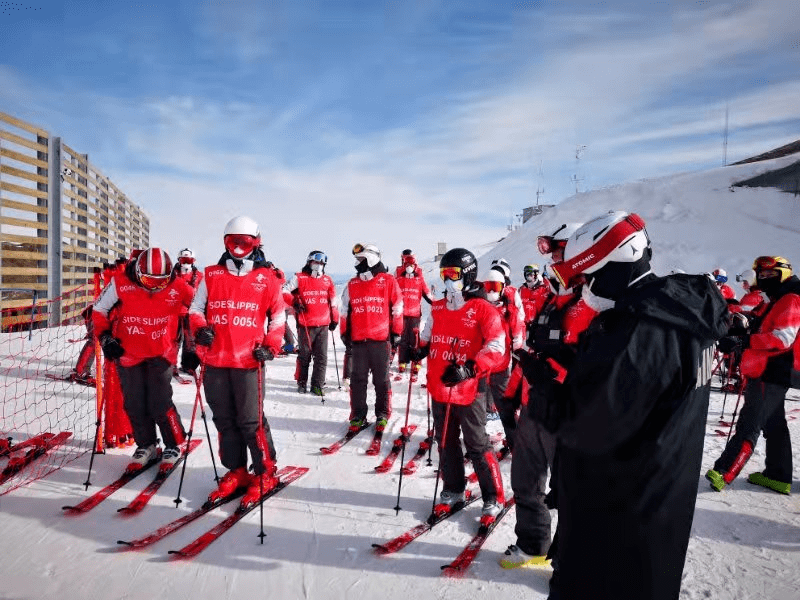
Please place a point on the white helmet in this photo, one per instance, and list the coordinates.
(369, 252)
(613, 237)
(748, 278)
(242, 226)
(493, 283)
(556, 240)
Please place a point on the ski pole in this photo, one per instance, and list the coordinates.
(404, 434)
(736, 408)
(208, 434)
(197, 380)
(264, 449)
(442, 446)
(430, 432)
(98, 424)
(336, 361)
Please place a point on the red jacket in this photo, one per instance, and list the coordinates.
(317, 295)
(372, 309)
(477, 330)
(244, 311)
(145, 322)
(777, 334)
(533, 299)
(413, 287)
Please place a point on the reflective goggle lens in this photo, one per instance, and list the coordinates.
(545, 244)
(493, 286)
(453, 273)
(186, 260)
(358, 248)
(154, 282)
(319, 257)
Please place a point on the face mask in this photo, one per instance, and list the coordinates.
(493, 296)
(317, 269)
(453, 286)
(185, 268)
(361, 265)
(410, 269)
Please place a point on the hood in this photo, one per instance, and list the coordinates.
(687, 302)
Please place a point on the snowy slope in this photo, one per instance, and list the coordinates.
(745, 543)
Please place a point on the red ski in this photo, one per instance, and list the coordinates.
(138, 503)
(36, 449)
(336, 446)
(201, 543)
(181, 522)
(397, 447)
(411, 466)
(462, 562)
(440, 514)
(89, 503)
(375, 445)
(6, 447)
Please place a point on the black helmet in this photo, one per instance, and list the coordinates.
(462, 260)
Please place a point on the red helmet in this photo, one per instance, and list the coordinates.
(153, 269)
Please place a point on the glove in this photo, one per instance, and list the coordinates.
(204, 336)
(728, 344)
(418, 353)
(112, 349)
(395, 340)
(333, 325)
(298, 307)
(262, 354)
(190, 361)
(455, 374)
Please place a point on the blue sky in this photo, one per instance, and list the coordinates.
(398, 123)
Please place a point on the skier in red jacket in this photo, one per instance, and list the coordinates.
(316, 306)
(412, 285)
(372, 321)
(185, 269)
(237, 318)
(533, 292)
(148, 299)
(463, 340)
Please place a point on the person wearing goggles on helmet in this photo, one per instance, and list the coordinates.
(463, 340)
(633, 403)
(316, 308)
(142, 339)
(414, 289)
(771, 364)
(371, 325)
(534, 292)
(720, 277)
(186, 269)
(238, 318)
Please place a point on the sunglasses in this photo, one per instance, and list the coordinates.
(451, 273)
(493, 286)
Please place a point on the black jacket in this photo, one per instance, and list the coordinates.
(631, 439)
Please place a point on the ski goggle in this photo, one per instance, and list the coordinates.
(186, 260)
(240, 245)
(493, 286)
(153, 282)
(547, 244)
(358, 249)
(408, 259)
(451, 273)
(319, 257)
(763, 263)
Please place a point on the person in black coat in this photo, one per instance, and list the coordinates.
(631, 412)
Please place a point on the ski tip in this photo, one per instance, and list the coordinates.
(124, 543)
(379, 549)
(449, 571)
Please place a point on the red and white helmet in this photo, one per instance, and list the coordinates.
(613, 237)
(241, 237)
(153, 269)
(547, 244)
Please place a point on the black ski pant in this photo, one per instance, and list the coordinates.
(147, 398)
(313, 344)
(408, 339)
(534, 449)
(506, 407)
(763, 410)
(469, 420)
(370, 356)
(233, 397)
